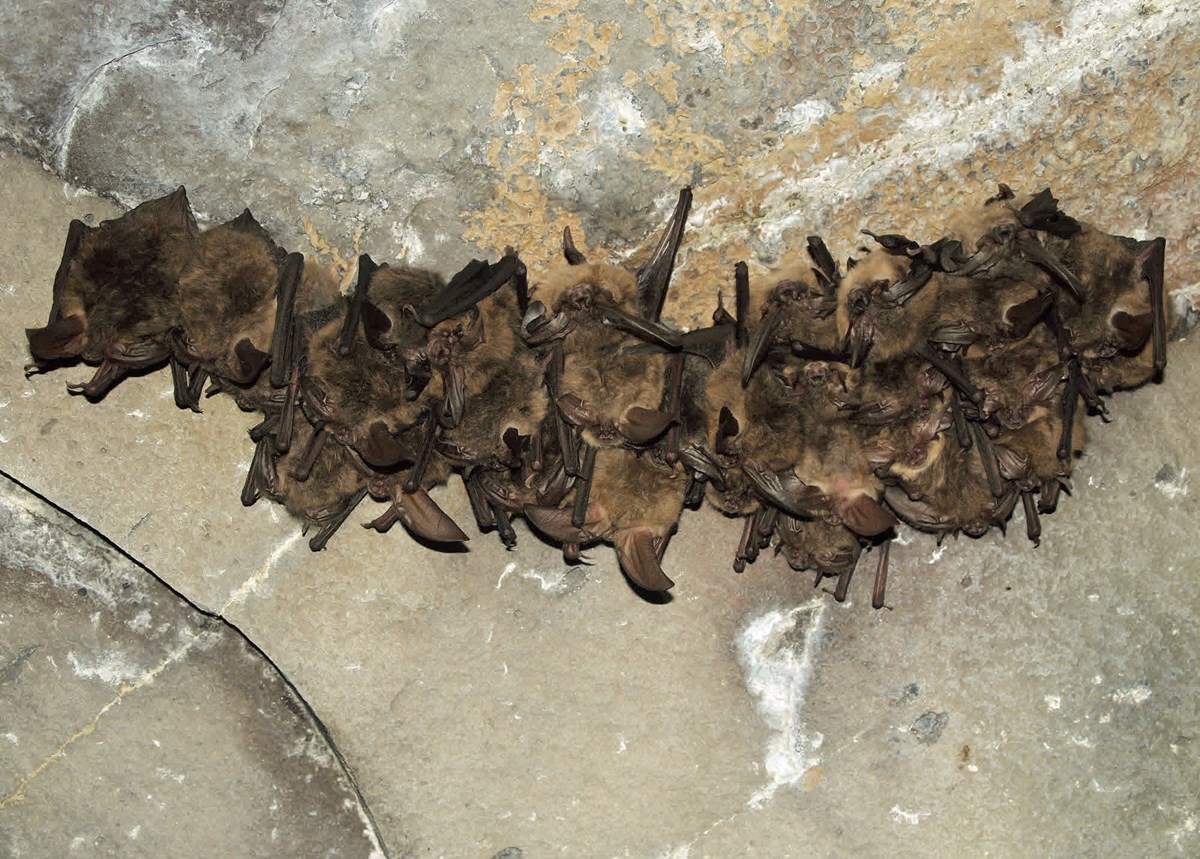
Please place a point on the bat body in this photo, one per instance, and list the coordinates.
(115, 293)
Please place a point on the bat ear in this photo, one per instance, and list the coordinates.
(376, 324)
(1004, 193)
(570, 252)
(727, 428)
(576, 411)
(642, 426)
(866, 516)
(422, 516)
(246, 223)
(77, 231)
(1042, 213)
(894, 243)
(63, 338)
(248, 361)
(639, 559)
(555, 522)
(381, 449)
(1132, 332)
(172, 211)
(654, 277)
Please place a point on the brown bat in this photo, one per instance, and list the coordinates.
(634, 503)
(324, 497)
(363, 388)
(115, 293)
(936, 384)
(798, 314)
(587, 320)
(226, 299)
(1119, 328)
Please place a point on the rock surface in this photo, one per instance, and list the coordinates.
(1011, 701)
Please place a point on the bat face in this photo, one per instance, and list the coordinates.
(799, 312)
(876, 313)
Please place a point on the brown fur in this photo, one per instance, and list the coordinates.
(122, 281)
(597, 368)
(226, 293)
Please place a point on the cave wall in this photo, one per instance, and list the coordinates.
(431, 131)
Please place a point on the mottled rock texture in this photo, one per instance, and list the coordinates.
(416, 128)
(135, 725)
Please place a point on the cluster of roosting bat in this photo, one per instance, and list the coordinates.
(936, 384)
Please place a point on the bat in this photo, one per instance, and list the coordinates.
(227, 301)
(634, 503)
(114, 301)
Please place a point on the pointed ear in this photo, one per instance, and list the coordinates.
(174, 210)
(727, 428)
(421, 515)
(642, 426)
(375, 324)
(654, 277)
(639, 559)
(577, 412)
(76, 233)
(572, 254)
(63, 338)
(381, 449)
(866, 516)
(248, 361)
(1042, 213)
(1132, 332)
